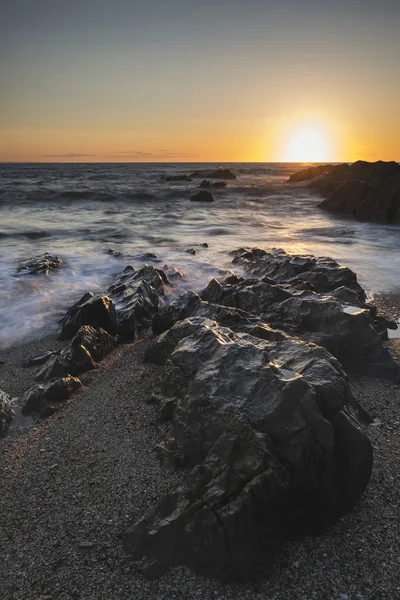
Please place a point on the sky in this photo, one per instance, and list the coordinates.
(206, 80)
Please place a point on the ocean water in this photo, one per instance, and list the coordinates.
(80, 211)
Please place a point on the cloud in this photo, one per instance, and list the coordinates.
(161, 154)
(71, 155)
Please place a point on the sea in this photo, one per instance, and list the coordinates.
(99, 218)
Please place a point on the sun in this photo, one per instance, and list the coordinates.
(307, 144)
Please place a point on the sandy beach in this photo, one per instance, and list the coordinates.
(73, 484)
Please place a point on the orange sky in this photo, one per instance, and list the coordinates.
(201, 83)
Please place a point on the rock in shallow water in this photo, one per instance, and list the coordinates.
(37, 265)
(274, 446)
(202, 196)
(6, 413)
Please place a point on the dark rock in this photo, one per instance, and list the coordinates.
(40, 359)
(43, 264)
(215, 185)
(43, 399)
(115, 253)
(369, 191)
(88, 346)
(202, 196)
(173, 273)
(191, 251)
(6, 413)
(98, 311)
(269, 431)
(216, 174)
(137, 294)
(310, 173)
(325, 274)
(254, 306)
(149, 256)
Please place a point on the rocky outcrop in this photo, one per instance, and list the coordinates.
(202, 196)
(6, 413)
(95, 310)
(368, 191)
(88, 347)
(44, 399)
(137, 294)
(267, 428)
(216, 174)
(38, 265)
(129, 306)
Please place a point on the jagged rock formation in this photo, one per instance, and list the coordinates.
(37, 265)
(369, 191)
(91, 309)
(137, 294)
(260, 411)
(129, 306)
(88, 346)
(268, 429)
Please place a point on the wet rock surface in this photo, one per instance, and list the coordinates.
(6, 413)
(91, 309)
(274, 445)
(260, 411)
(88, 347)
(369, 191)
(202, 196)
(38, 265)
(44, 399)
(137, 294)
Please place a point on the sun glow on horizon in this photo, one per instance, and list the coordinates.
(307, 144)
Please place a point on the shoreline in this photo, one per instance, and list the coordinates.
(61, 521)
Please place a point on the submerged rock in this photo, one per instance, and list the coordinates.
(95, 310)
(269, 431)
(44, 399)
(202, 196)
(6, 413)
(37, 265)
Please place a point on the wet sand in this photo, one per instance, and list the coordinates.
(73, 484)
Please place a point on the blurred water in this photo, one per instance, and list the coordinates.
(79, 211)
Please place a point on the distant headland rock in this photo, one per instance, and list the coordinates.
(368, 191)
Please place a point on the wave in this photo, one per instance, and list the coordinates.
(31, 234)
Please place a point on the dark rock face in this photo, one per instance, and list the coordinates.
(44, 399)
(368, 191)
(268, 429)
(89, 346)
(38, 265)
(202, 196)
(216, 184)
(310, 173)
(217, 174)
(137, 294)
(6, 413)
(95, 310)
